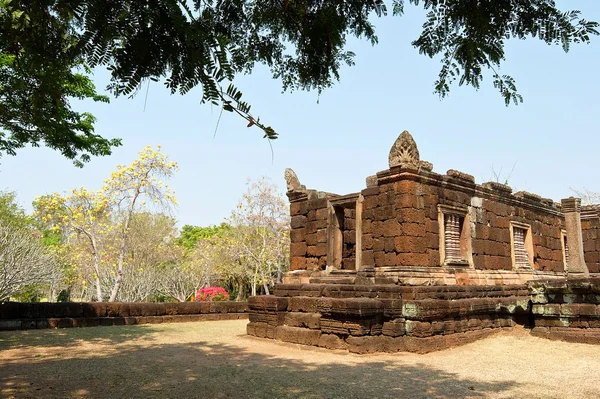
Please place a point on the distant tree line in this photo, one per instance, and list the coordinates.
(121, 243)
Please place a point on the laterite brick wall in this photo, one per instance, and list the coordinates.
(17, 316)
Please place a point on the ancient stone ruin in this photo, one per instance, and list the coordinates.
(419, 261)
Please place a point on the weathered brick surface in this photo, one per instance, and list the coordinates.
(567, 310)
(347, 326)
(389, 318)
(432, 309)
(298, 335)
(72, 314)
(394, 328)
(591, 242)
(267, 303)
(579, 335)
(350, 306)
(362, 345)
(462, 292)
(332, 341)
(305, 320)
(303, 304)
(261, 330)
(270, 318)
(339, 291)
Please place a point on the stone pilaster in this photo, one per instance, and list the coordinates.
(571, 208)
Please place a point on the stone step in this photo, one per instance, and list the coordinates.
(333, 280)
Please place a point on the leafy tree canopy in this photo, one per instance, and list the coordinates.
(206, 43)
(10, 211)
(41, 71)
(190, 235)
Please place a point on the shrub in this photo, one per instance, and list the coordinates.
(211, 294)
(63, 296)
(28, 293)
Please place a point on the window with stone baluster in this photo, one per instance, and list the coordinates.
(521, 245)
(455, 236)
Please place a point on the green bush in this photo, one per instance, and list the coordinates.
(63, 296)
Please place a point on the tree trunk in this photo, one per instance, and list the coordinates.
(96, 270)
(51, 293)
(241, 294)
(265, 282)
(117, 286)
(122, 251)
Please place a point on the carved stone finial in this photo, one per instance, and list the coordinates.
(292, 181)
(371, 181)
(404, 152)
(425, 165)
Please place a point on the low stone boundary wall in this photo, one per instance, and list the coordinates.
(567, 310)
(376, 318)
(17, 316)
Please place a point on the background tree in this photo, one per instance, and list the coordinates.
(190, 270)
(150, 248)
(97, 224)
(195, 265)
(10, 211)
(260, 235)
(588, 197)
(24, 281)
(207, 43)
(190, 235)
(129, 187)
(24, 261)
(83, 218)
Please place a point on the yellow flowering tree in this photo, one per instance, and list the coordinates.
(97, 223)
(130, 188)
(83, 216)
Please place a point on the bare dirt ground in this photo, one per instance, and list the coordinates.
(217, 360)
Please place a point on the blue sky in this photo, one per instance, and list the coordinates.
(335, 143)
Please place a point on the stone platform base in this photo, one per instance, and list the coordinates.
(567, 310)
(385, 318)
(579, 335)
(370, 344)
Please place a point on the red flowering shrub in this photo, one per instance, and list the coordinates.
(210, 294)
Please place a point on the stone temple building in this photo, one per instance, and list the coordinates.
(419, 261)
(413, 226)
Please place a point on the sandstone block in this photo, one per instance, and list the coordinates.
(268, 303)
(362, 345)
(304, 320)
(298, 335)
(361, 307)
(303, 304)
(394, 328)
(298, 221)
(332, 341)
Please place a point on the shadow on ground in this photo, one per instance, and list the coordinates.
(66, 337)
(203, 370)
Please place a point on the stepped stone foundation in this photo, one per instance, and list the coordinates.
(389, 318)
(567, 309)
(419, 261)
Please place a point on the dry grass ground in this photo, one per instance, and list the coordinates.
(217, 360)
